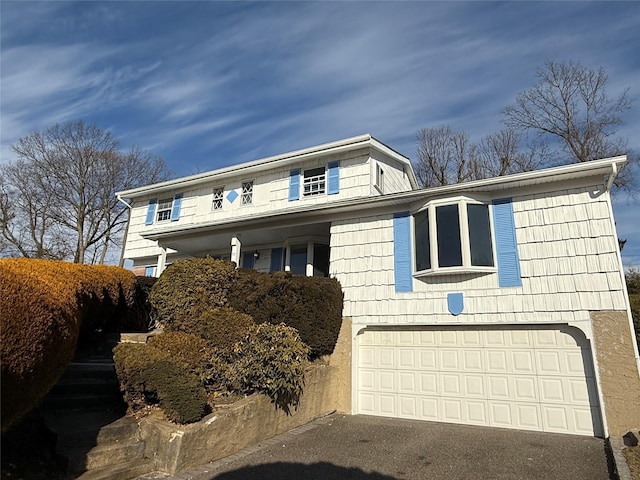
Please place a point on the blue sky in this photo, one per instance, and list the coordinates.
(211, 84)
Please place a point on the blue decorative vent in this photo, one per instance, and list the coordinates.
(232, 195)
(455, 303)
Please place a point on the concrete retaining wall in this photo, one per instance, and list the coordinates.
(229, 429)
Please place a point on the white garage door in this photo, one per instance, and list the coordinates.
(532, 379)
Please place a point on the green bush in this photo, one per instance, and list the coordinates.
(222, 327)
(149, 375)
(180, 394)
(311, 305)
(271, 359)
(194, 353)
(189, 287)
(45, 306)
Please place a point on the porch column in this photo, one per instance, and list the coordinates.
(309, 270)
(162, 261)
(236, 247)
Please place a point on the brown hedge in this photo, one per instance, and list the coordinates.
(311, 305)
(189, 287)
(44, 304)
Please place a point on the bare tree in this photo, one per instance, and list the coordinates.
(444, 157)
(500, 154)
(570, 103)
(58, 198)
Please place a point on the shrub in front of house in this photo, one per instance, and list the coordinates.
(311, 305)
(152, 376)
(189, 287)
(222, 327)
(45, 307)
(195, 353)
(271, 360)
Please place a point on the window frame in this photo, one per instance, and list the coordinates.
(165, 211)
(215, 199)
(319, 180)
(465, 240)
(379, 181)
(244, 195)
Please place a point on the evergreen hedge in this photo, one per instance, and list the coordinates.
(45, 306)
(189, 287)
(311, 305)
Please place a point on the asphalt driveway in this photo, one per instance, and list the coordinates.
(375, 448)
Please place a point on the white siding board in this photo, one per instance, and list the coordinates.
(568, 265)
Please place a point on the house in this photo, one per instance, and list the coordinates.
(497, 302)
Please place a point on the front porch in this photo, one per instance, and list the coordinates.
(299, 249)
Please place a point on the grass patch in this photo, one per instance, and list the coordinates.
(632, 455)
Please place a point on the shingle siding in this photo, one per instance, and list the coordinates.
(568, 263)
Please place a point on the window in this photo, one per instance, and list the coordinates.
(218, 195)
(247, 193)
(379, 178)
(164, 209)
(314, 182)
(453, 236)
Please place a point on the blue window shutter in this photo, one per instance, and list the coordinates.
(247, 260)
(276, 260)
(333, 185)
(294, 184)
(402, 252)
(506, 244)
(151, 211)
(175, 208)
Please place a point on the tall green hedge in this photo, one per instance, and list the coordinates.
(189, 287)
(311, 305)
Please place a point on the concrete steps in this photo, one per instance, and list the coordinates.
(85, 411)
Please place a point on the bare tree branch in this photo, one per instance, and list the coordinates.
(58, 199)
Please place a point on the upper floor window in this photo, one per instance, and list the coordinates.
(379, 178)
(314, 181)
(218, 195)
(164, 209)
(247, 193)
(453, 235)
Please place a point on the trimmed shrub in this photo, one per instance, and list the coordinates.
(270, 360)
(149, 375)
(180, 394)
(222, 327)
(311, 305)
(192, 351)
(45, 305)
(189, 287)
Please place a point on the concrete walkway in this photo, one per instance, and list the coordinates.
(374, 448)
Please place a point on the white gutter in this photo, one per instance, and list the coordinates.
(612, 176)
(549, 175)
(249, 168)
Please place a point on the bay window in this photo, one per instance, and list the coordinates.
(453, 236)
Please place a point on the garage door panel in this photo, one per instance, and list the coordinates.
(534, 379)
(474, 386)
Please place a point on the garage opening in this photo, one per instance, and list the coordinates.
(532, 378)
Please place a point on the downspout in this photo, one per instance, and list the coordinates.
(126, 232)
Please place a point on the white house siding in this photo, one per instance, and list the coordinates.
(270, 194)
(568, 262)
(395, 176)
